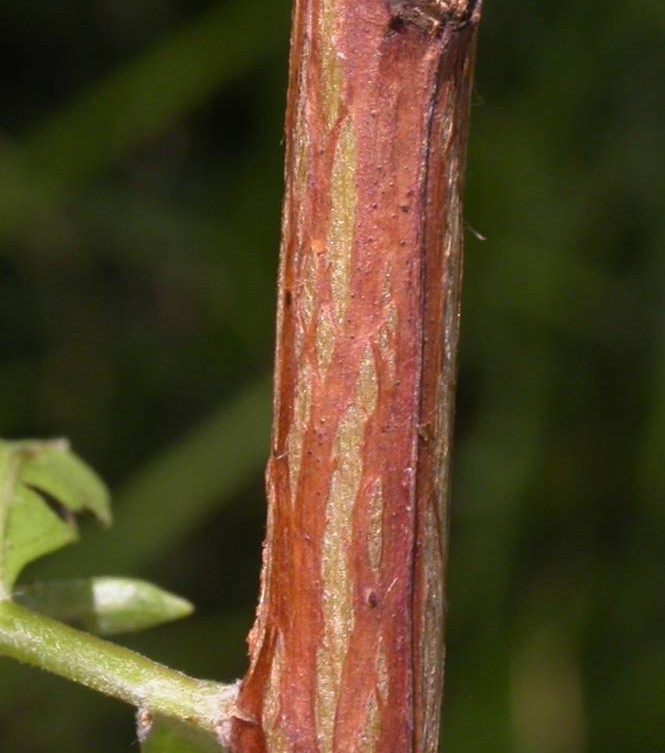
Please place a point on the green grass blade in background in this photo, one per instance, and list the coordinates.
(148, 95)
(175, 493)
(139, 101)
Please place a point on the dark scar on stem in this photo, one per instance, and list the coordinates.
(429, 15)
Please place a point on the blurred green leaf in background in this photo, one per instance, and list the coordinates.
(140, 191)
(166, 736)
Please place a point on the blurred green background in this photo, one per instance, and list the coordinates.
(140, 191)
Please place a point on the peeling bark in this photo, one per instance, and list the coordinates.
(347, 649)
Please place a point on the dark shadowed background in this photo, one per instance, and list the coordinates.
(140, 191)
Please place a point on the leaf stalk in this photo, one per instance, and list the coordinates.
(114, 670)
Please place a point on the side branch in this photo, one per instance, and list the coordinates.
(116, 671)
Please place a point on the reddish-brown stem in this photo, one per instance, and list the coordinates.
(347, 648)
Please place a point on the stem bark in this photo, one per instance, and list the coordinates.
(347, 649)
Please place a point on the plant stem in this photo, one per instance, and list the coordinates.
(347, 648)
(113, 670)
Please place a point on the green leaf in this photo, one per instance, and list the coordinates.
(105, 606)
(42, 486)
(33, 530)
(58, 472)
(162, 735)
